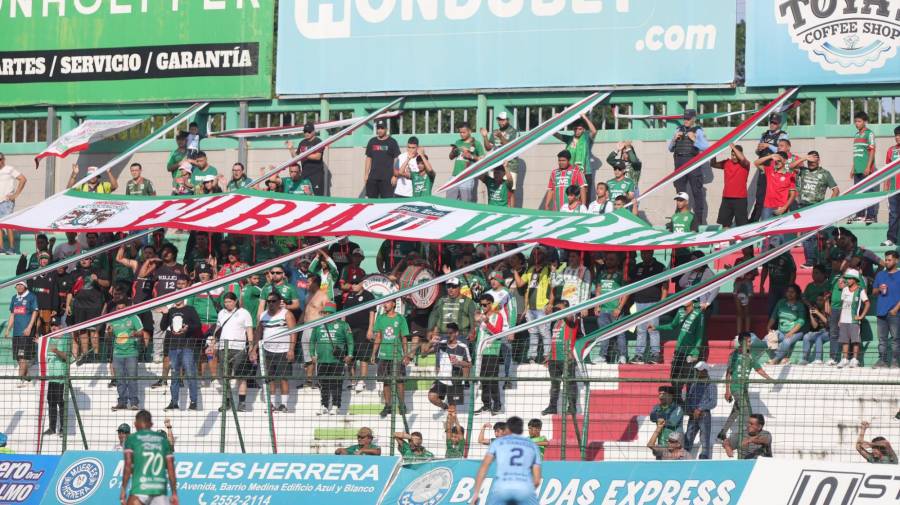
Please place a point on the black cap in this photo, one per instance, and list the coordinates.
(309, 128)
(54, 321)
(381, 123)
(775, 118)
(689, 114)
(204, 267)
(356, 278)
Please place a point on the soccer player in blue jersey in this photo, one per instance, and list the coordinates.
(518, 472)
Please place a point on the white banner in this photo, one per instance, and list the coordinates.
(84, 135)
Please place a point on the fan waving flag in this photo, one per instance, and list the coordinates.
(84, 135)
(509, 151)
(722, 144)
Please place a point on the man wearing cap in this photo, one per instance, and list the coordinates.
(122, 433)
(674, 448)
(781, 184)
(683, 220)
(361, 323)
(58, 349)
(331, 347)
(688, 141)
(364, 446)
(579, 145)
(702, 398)
(619, 184)
(313, 168)
(200, 170)
(414, 174)
(625, 155)
(668, 413)
(46, 290)
(854, 307)
(464, 151)
(501, 136)
(768, 141)
(813, 182)
(381, 157)
(453, 308)
(351, 274)
(93, 185)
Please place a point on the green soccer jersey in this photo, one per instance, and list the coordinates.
(739, 367)
(250, 296)
(622, 187)
(689, 330)
(863, 149)
(56, 366)
(813, 290)
(498, 193)
(143, 188)
(455, 450)
(540, 439)
(197, 174)
(301, 187)
(354, 449)
(326, 338)
(392, 330)
(286, 291)
(409, 455)
(813, 184)
(473, 147)
(176, 157)
(125, 344)
(787, 315)
(682, 222)
(421, 182)
(608, 282)
(836, 288)
(149, 450)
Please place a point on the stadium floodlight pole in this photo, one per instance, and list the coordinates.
(174, 122)
(171, 124)
(325, 143)
(192, 290)
(404, 292)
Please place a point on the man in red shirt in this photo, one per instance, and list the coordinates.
(561, 178)
(733, 208)
(781, 184)
(893, 229)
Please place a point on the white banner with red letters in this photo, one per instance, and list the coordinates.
(84, 135)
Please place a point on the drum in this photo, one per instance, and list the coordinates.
(380, 286)
(417, 274)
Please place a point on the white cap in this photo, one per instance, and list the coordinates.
(93, 169)
(503, 115)
(207, 178)
(701, 366)
(682, 196)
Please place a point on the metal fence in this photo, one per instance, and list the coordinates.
(602, 411)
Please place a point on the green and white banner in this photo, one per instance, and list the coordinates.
(61, 52)
(424, 219)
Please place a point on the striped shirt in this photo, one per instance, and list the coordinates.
(271, 325)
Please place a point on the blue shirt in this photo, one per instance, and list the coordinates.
(21, 309)
(701, 396)
(889, 300)
(514, 455)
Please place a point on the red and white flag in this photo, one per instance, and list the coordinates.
(84, 135)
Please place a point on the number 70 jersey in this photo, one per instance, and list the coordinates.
(149, 449)
(514, 456)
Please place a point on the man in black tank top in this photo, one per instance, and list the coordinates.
(689, 140)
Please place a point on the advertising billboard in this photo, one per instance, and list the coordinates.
(797, 42)
(125, 51)
(337, 46)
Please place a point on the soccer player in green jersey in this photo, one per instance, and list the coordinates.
(149, 466)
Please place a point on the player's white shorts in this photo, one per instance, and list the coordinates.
(146, 499)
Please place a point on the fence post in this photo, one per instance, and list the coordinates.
(268, 398)
(226, 396)
(243, 122)
(77, 414)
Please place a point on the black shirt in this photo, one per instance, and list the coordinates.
(383, 154)
(44, 288)
(163, 278)
(642, 271)
(86, 292)
(359, 321)
(310, 167)
(185, 316)
(63, 283)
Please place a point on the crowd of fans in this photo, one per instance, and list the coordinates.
(238, 329)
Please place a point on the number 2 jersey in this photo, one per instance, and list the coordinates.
(514, 455)
(150, 450)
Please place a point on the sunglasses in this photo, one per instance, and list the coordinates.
(277, 273)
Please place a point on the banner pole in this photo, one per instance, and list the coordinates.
(50, 166)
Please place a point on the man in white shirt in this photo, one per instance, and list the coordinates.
(233, 335)
(602, 204)
(11, 185)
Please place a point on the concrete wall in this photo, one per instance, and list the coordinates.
(346, 167)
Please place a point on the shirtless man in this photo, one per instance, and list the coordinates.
(315, 303)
